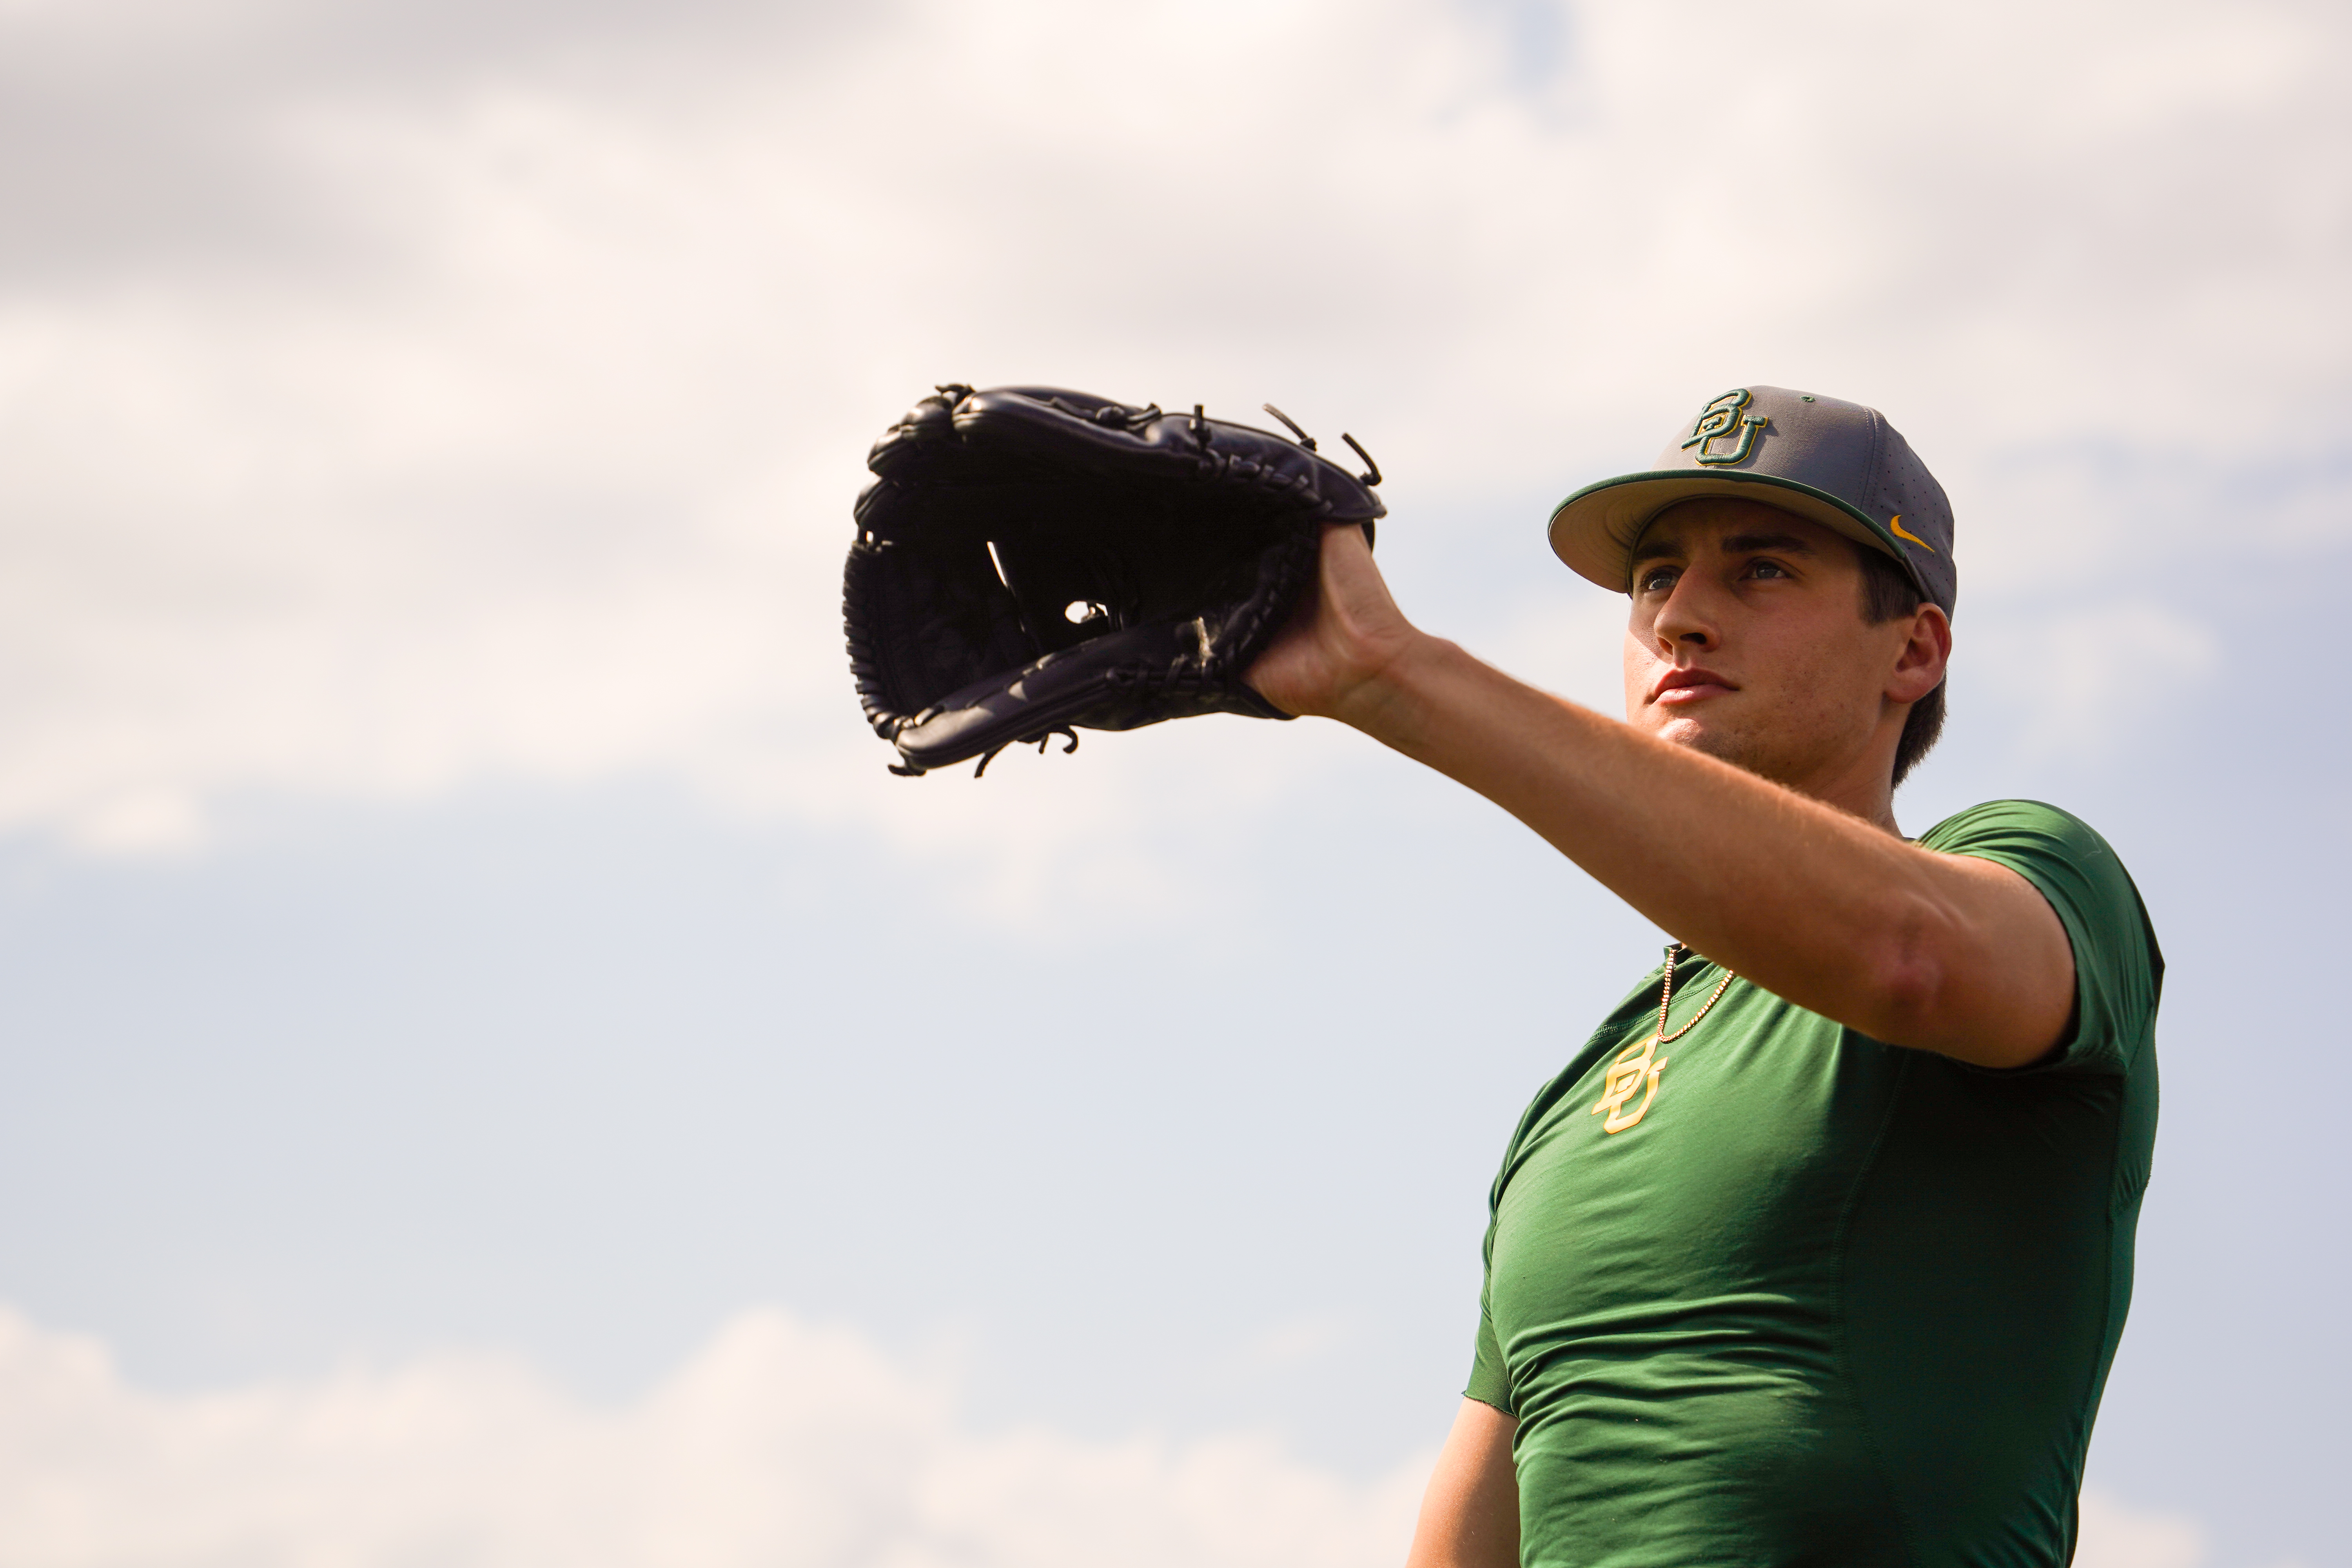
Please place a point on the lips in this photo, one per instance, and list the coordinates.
(1678, 687)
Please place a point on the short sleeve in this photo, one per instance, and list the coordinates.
(1490, 1383)
(2118, 968)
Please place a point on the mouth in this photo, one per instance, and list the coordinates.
(1679, 687)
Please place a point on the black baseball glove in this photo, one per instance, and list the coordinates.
(1031, 561)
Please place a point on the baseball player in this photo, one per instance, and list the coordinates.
(1818, 1247)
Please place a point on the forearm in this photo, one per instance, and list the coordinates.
(1808, 902)
(1470, 1513)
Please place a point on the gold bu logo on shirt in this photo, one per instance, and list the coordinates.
(1635, 1070)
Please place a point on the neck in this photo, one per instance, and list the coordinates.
(1864, 787)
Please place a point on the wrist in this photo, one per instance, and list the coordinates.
(1388, 702)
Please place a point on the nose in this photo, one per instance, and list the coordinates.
(1687, 616)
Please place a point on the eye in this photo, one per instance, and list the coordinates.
(1767, 569)
(1654, 579)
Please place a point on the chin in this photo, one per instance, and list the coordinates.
(1722, 743)
(1684, 729)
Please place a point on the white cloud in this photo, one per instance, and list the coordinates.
(778, 1444)
(2115, 1536)
(2077, 679)
(493, 409)
(1305, 1338)
(1569, 640)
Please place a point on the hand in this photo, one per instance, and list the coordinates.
(1346, 631)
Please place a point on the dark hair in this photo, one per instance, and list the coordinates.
(1887, 591)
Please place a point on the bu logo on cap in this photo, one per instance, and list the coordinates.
(1721, 420)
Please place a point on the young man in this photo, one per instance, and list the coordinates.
(1818, 1251)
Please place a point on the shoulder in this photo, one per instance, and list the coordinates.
(2119, 967)
(2076, 868)
(2024, 824)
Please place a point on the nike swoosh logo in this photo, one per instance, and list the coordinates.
(1903, 533)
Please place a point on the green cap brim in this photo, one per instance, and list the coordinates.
(1594, 531)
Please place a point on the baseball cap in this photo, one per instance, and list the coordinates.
(1840, 464)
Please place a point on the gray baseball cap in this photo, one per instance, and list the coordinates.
(1839, 464)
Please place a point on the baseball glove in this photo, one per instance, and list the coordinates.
(1030, 561)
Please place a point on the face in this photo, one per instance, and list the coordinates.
(1747, 641)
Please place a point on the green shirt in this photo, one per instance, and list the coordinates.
(1819, 1299)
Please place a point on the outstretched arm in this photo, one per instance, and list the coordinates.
(1942, 952)
(1470, 1514)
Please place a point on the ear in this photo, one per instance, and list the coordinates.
(1926, 650)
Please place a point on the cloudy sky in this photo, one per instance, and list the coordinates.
(493, 1070)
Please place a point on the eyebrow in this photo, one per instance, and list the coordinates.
(1738, 545)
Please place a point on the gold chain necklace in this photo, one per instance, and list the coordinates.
(1637, 1067)
(1666, 997)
